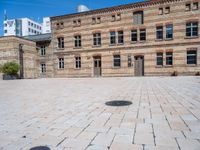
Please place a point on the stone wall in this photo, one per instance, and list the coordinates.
(179, 45)
(9, 51)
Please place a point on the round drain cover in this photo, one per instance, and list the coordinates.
(118, 103)
(40, 148)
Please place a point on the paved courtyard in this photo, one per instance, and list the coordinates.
(70, 114)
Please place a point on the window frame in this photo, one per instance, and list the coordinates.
(136, 18)
(116, 61)
(159, 32)
(142, 31)
(77, 62)
(169, 58)
(61, 42)
(113, 38)
(97, 39)
(61, 63)
(191, 55)
(168, 31)
(42, 50)
(77, 41)
(120, 36)
(43, 68)
(134, 35)
(159, 55)
(190, 29)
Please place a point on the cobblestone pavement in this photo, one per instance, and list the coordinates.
(70, 114)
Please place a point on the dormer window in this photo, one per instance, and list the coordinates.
(113, 18)
(167, 10)
(138, 18)
(188, 7)
(77, 23)
(160, 11)
(96, 20)
(59, 25)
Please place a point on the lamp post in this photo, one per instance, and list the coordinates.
(21, 61)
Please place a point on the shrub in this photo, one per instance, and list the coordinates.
(1, 68)
(10, 68)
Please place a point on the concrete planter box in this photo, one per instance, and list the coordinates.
(10, 77)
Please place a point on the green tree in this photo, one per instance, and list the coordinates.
(10, 68)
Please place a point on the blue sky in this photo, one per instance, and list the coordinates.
(37, 9)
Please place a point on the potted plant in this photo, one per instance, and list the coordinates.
(10, 70)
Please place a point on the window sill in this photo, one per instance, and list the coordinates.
(77, 48)
(120, 44)
(77, 68)
(158, 40)
(159, 66)
(134, 42)
(60, 69)
(191, 37)
(96, 46)
(116, 67)
(191, 65)
(112, 44)
(142, 41)
(168, 39)
(169, 66)
(60, 48)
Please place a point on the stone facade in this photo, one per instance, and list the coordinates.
(9, 51)
(155, 13)
(156, 37)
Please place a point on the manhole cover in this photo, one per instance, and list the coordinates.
(118, 103)
(40, 148)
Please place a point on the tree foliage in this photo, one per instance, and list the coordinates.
(10, 68)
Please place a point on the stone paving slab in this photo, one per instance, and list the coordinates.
(70, 114)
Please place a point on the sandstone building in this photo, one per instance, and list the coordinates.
(155, 37)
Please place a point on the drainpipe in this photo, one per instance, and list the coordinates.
(21, 61)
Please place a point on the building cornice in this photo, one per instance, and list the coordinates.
(115, 8)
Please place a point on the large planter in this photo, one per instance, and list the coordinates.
(10, 77)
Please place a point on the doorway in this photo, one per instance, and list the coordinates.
(97, 66)
(139, 66)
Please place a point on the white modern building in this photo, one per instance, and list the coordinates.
(26, 26)
(46, 25)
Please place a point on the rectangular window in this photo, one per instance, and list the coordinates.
(160, 11)
(97, 39)
(169, 31)
(78, 62)
(98, 21)
(93, 20)
(142, 34)
(113, 18)
(43, 50)
(192, 57)
(192, 29)
(129, 61)
(195, 6)
(167, 10)
(159, 32)
(159, 59)
(134, 35)
(43, 68)
(188, 7)
(112, 38)
(169, 58)
(61, 63)
(61, 42)
(116, 61)
(120, 37)
(5, 31)
(118, 17)
(138, 18)
(77, 23)
(77, 41)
